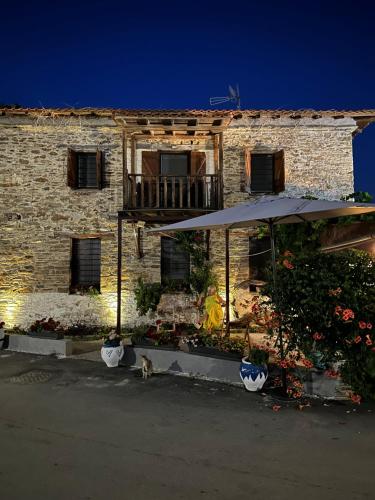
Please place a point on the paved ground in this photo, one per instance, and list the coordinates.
(76, 430)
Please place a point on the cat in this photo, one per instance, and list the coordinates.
(146, 367)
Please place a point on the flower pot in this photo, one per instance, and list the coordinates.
(253, 376)
(112, 355)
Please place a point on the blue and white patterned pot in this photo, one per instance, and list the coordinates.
(253, 376)
(112, 355)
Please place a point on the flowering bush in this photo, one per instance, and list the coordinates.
(49, 325)
(224, 344)
(325, 305)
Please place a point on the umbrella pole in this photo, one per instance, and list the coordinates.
(119, 272)
(280, 337)
(227, 330)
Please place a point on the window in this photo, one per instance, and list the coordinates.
(175, 262)
(259, 259)
(85, 170)
(174, 164)
(264, 172)
(85, 266)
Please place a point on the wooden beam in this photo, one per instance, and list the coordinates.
(221, 171)
(227, 292)
(119, 272)
(124, 168)
(133, 155)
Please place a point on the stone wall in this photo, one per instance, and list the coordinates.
(40, 214)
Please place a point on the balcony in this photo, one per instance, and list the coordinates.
(170, 197)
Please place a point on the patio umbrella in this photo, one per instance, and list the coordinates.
(270, 210)
(267, 210)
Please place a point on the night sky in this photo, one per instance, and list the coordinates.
(162, 54)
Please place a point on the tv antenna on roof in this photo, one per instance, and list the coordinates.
(234, 96)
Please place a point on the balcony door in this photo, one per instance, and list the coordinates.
(174, 164)
(174, 171)
(174, 180)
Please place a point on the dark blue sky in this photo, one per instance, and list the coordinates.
(164, 54)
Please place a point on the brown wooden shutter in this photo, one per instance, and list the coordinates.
(198, 163)
(99, 168)
(278, 172)
(150, 162)
(72, 169)
(246, 176)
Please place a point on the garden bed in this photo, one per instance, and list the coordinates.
(181, 363)
(220, 367)
(36, 345)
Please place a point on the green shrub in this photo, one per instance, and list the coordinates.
(258, 356)
(147, 296)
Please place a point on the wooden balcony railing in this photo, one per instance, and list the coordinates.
(172, 192)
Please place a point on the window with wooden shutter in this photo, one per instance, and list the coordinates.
(72, 168)
(85, 264)
(278, 172)
(85, 170)
(262, 173)
(267, 172)
(175, 262)
(259, 258)
(197, 163)
(246, 176)
(151, 163)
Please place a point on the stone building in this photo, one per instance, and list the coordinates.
(67, 176)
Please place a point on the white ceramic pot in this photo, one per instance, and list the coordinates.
(112, 355)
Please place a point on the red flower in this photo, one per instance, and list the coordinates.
(368, 340)
(338, 310)
(362, 325)
(356, 398)
(357, 339)
(276, 407)
(347, 314)
(307, 363)
(369, 326)
(288, 253)
(158, 321)
(331, 373)
(318, 336)
(287, 264)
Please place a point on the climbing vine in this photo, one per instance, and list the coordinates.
(201, 274)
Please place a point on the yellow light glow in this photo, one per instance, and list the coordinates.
(12, 306)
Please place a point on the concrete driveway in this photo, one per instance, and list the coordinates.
(76, 430)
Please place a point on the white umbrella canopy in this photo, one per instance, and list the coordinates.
(270, 210)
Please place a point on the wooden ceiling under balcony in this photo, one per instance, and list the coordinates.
(170, 126)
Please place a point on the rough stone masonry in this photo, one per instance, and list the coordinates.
(40, 214)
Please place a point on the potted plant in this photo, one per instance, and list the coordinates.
(46, 329)
(112, 350)
(253, 369)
